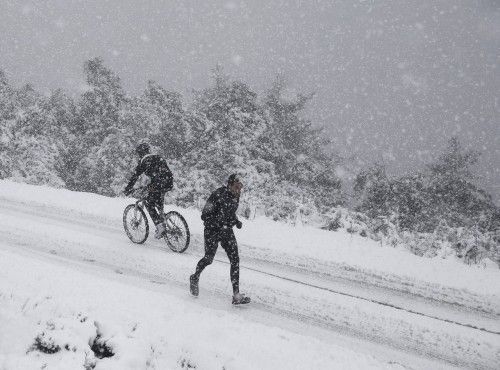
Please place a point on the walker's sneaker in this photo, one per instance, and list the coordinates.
(240, 299)
(193, 285)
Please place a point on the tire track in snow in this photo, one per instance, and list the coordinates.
(365, 299)
(107, 227)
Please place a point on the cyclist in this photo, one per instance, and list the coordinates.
(219, 217)
(156, 168)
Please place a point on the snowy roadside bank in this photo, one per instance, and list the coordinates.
(53, 315)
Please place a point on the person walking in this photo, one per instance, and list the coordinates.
(219, 218)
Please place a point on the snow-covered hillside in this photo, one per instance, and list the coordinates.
(71, 281)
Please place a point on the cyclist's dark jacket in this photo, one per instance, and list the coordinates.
(220, 209)
(156, 168)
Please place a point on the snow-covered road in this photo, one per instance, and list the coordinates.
(400, 322)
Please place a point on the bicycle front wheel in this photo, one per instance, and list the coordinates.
(135, 224)
(177, 232)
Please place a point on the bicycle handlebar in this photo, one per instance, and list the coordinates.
(139, 193)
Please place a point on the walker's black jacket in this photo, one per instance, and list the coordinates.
(220, 209)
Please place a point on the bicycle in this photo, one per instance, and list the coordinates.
(136, 225)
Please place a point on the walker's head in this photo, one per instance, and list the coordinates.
(234, 184)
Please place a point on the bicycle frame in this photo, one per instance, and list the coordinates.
(141, 203)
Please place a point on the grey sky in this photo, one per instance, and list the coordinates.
(393, 79)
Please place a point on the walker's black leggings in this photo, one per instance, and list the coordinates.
(228, 242)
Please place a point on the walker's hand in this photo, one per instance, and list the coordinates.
(239, 224)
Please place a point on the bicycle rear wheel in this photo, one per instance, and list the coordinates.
(135, 224)
(177, 233)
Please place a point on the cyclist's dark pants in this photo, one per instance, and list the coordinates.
(154, 200)
(228, 242)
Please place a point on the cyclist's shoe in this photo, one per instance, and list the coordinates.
(193, 285)
(239, 298)
(160, 230)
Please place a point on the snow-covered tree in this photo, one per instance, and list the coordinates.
(301, 152)
(445, 190)
(100, 106)
(231, 142)
(99, 116)
(29, 136)
(373, 191)
(172, 132)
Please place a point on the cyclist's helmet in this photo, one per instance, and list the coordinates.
(233, 178)
(142, 149)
